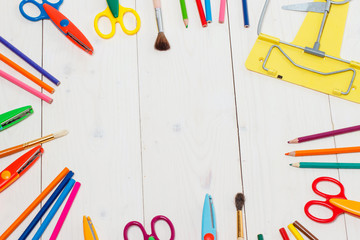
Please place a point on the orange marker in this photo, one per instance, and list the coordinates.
(326, 151)
(26, 74)
(33, 205)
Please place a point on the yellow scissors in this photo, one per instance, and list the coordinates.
(115, 13)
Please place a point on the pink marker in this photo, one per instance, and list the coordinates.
(222, 11)
(65, 211)
(25, 87)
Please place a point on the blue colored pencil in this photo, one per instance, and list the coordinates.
(29, 61)
(46, 206)
(208, 11)
(54, 209)
(245, 13)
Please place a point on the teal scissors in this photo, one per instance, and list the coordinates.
(115, 13)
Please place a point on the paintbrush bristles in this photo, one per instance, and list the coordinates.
(161, 42)
(60, 134)
(239, 201)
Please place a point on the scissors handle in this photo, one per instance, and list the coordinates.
(135, 224)
(335, 211)
(162, 218)
(107, 13)
(120, 19)
(43, 14)
(341, 194)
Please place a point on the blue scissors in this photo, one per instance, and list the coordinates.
(49, 10)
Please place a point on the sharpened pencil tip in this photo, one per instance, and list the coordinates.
(290, 164)
(287, 154)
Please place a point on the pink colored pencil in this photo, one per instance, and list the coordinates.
(65, 211)
(222, 11)
(325, 134)
(25, 87)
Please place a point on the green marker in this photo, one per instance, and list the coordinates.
(260, 237)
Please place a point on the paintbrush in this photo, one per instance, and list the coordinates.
(161, 42)
(239, 203)
(32, 143)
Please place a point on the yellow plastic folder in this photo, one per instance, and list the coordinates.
(332, 75)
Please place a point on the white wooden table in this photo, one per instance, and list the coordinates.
(153, 132)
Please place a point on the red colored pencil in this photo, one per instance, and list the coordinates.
(284, 234)
(201, 13)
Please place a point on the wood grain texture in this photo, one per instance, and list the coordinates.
(15, 199)
(270, 113)
(152, 132)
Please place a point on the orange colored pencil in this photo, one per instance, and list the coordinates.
(33, 205)
(326, 151)
(27, 74)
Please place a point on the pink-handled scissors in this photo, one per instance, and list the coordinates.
(153, 235)
(337, 203)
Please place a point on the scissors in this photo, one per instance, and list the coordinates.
(153, 235)
(49, 10)
(20, 166)
(115, 13)
(338, 203)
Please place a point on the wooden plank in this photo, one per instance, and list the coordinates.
(271, 112)
(98, 103)
(27, 38)
(188, 121)
(346, 114)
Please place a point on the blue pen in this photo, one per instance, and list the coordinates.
(208, 11)
(46, 206)
(54, 209)
(208, 230)
(29, 61)
(245, 13)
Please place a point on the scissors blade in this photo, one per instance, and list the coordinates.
(349, 206)
(208, 219)
(114, 7)
(318, 7)
(68, 29)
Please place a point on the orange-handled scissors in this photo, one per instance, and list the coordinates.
(337, 203)
(115, 13)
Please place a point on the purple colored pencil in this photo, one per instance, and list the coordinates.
(325, 134)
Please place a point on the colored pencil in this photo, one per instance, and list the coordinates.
(46, 206)
(306, 232)
(34, 204)
(335, 165)
(323, 151)
(284, 234)
(25, 87)
(260, 237)
(295, 232)
(325, 134)
(27, 74)
(184, 13)
(29, 61)
(208, 11)
(201, 13)
(245, 13)
(54, 210)
(222, 11)
(65, 211)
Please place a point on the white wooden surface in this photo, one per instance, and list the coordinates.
(153, 132)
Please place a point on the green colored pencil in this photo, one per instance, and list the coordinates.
(326, 165)
(184, 13)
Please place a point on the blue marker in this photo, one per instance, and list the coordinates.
(54, 209)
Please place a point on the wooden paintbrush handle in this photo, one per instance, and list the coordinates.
(11, 150)
(240, 226)
(157, 4)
